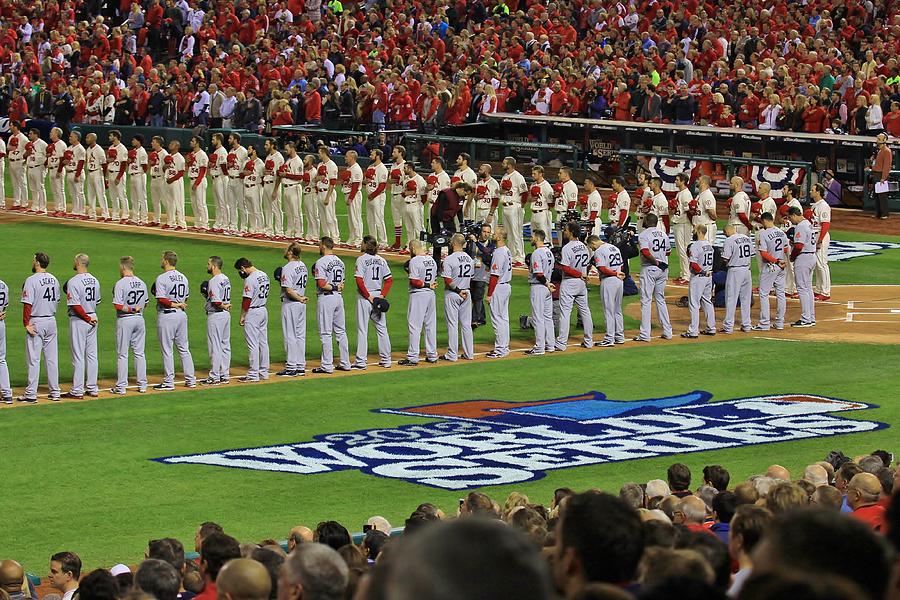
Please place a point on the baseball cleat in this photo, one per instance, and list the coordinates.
(26, 400)
(605, 344)
(444, 358)
(802, 324)
(689, 336)
(726, 331)
(746, 329)
(405, 362)
(246, 379)
(92, 394)
(358, 367)
(709, 332)
(190, 385)
(640, 339)
(822, 297)
(209, 381)
(586, 346)
(665, 337)
(340, 368)
(164, 387)
(760, 328)
(71, 396)
(431, 361)
(533, 352)
(117, 391)
(142, 390)
(6, 400)
(493, 354)
(286, 373)
(321, 371)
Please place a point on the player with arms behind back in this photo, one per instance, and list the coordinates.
(701, 256)
(373, 282)
(129, 299)
(171, 292)
(329, 274)
(255, 319)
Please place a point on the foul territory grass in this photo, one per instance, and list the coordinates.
(78, 476)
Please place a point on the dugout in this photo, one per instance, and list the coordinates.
(601, 141)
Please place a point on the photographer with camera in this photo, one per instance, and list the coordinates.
(540, 270)
(457, 273)
(573, 288)
(484, 248)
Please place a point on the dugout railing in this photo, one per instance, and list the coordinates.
(492, 150)
(732, 165)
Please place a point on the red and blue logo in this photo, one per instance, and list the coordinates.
(478, 443)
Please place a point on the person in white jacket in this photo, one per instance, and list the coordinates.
(769, 116)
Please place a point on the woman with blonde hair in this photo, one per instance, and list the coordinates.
(874, 124)
(489, 104)
(768, 118)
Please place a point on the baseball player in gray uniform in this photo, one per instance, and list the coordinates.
(255, 319)
(129, 299)
(373, 281)
(217, 292)
(40, 299)
(421, 313)
(171, 292)
(82, 298)
(329, 275)
(499, 292)
(737, 253)
(293, 278)
(700, 260)
(803, 255)
(655, 249)
(540, 271)
(457, 270)
(607, 259)
(773, 244)
(573, 288)
(5, 389)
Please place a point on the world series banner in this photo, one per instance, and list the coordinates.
(667, 169)
(777, 177)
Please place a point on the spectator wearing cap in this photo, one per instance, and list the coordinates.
(863, 494)
(65, 572)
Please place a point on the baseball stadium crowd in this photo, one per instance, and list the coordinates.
(831, 533)
(826, 66)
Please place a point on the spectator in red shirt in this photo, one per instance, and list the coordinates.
(621, 104)
(862, 496)
(815, 118)
(312, 104)
(215, 550)
(892, 120)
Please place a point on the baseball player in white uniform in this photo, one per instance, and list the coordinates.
(75, 158)
(437, 182)
(567, 194)
(352, 188)
(803, 255)
(293, 280)
(158, 188)
(36, 161)
(290, 180)
(197, 166)
(487, 196)
(542, 198)
(175, 168)
(737, 253)
(701, 256)
(218, 170)
(17, 172)
(655, 249)
(822, 222)
(457, 270)
(765, 204)
(217, 292)
(272, 211)
(376, 185)
(421, 312)
(465, 173)
(329, 273)
(739, 210)
(415, 190)
(235, 160)
(705, 211)
(40, 299)
(373, 282)
(130, 296)
(681, 223)
(3, 167)
(593, 205)
(56, 169)
(311, 199)
(138, 166)
(116, 167)
(82, 297)
(251, 175)
(574, 263)
(326, 186)
(255, 319)
(540, 271)
(397, 174)
(773, 243)
(5, 389)
(171, 291)
(621, 206)
(607, 259)
(499, 292)
(513, 197)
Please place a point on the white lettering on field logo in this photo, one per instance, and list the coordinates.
(479, 443)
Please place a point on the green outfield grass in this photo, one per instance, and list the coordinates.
(78, 476)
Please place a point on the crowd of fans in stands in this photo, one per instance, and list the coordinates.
(831, 533)
(820, 66)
